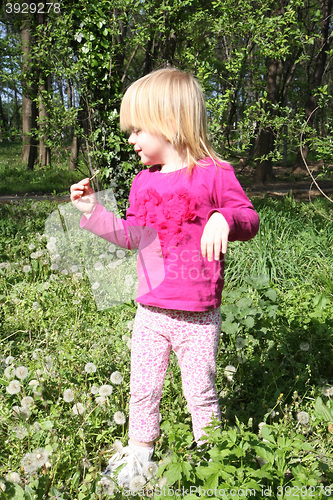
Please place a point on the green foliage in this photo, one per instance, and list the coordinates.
(274, 372)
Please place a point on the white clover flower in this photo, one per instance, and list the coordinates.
(304, 346)
(9, 372)
(9, 360)
(137, 483)
(14, 387)
(116, 378)
(105, 486)
(27, 268)
(68, 395)
(119, 418)
(96, 285)
(303, 417)
(120, 254)
(229, 372)
(29, 463)
(94, 389)
(90, 368)
(101, 400)
(21, 432)
(98, 266)
(13, 477)
(150, 469)
(78, 409)
(27, 402)
(21, 372)
(105, 390)
(36, 306)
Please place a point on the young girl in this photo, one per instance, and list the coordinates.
(185, 208)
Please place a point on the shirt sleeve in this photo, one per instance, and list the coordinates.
(231, 201)
(125, 233)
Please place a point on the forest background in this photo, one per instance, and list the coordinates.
(265, 67)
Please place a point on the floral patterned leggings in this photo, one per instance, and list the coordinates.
(194, 336)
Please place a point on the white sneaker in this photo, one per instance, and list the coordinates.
(136, 461)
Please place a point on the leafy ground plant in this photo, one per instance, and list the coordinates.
(64, 375)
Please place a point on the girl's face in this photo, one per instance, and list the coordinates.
(152, 149)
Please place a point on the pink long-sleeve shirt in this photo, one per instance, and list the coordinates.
(165, 221)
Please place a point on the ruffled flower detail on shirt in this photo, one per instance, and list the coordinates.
(167, 215)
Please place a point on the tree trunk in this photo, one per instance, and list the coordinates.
(44, 150)
(29, 115)
(315, 79)
(264, 168)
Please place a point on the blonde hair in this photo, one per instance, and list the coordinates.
(170, 103)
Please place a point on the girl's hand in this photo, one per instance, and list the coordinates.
(83, 197)
(214, 238)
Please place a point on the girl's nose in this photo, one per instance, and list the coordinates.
(131, 138)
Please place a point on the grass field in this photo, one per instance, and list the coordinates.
(64, 373)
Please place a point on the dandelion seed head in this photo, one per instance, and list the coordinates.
(101, 400)
(303, 417)
(27, 268)
(94, 389)
(9, 372)
(118, 446)
(112, 248)
(9, 360)
(96, 285)
(130, 324)
(90, 368)
(21, 432)
(137, 483)
(42, 456)
(21, 372)
(304, 346)
(29, 463)
(120, 254)
(240, 342)
(14, 387)
(150, 469)
(106, 486)
(68, 395)
(14, 477)
(98, 266)
(78, 409)
(327, 390)
(105, 390)
(32, 246)
(36, 306)
(116, 378)
(119, 418)
(27, 402)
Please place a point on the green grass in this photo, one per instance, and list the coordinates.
(277, 333)
(15, 178)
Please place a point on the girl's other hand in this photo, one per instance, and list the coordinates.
(83, 197)
(214, 238)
